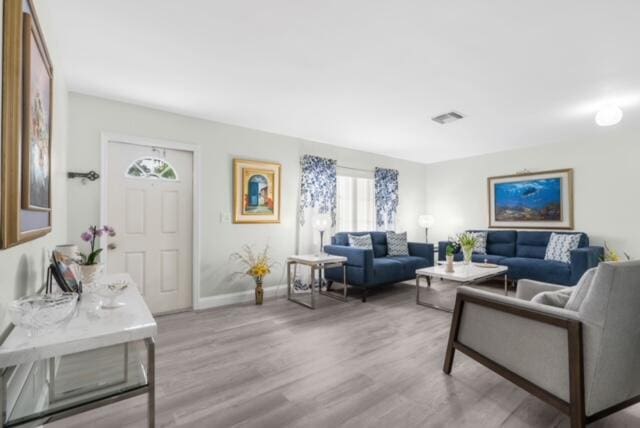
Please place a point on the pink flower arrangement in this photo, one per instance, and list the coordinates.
(90, 235)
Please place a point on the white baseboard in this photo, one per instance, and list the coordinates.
(238, 297)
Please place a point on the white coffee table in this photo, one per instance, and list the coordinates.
(463, 274)
(317, 262)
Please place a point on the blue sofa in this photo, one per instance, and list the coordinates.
(372, 268)
(523, 253)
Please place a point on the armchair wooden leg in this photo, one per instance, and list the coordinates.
(453, 335)
(576, 376)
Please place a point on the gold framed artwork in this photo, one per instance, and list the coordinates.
(27, 100)
(256, 191)
(537, 200)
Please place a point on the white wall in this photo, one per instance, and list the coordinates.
(606, 178)
(23, 267)
(219, 145)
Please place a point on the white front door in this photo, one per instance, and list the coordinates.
(150, 205)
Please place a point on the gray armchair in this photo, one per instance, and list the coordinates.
(584, 362)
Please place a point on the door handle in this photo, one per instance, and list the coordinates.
(112, 246)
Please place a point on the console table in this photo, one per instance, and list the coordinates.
(98, 357)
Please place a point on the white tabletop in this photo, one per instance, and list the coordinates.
(462, 272)
(316, 259)
(90, 328)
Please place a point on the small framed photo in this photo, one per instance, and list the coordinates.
(64, 272)
(256, 192)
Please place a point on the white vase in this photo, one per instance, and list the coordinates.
(449, 268)
(91, 273)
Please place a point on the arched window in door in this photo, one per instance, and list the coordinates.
(151, 167)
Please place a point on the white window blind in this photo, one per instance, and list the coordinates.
(355, 204)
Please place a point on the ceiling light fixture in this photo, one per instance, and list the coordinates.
(609, 115)
(443, 119)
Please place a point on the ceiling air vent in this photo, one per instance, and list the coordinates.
(443, 119)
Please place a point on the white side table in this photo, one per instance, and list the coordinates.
(317, 263)
(131, 327)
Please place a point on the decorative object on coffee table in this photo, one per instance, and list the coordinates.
(542, 200)
(425, 221)
(257, 266)
(452, 249)
(90, 267)
(467, 242)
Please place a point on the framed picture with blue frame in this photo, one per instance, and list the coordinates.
(532, 200)
(256, 191)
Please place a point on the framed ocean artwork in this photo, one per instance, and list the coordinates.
(541, 200)
(256, 192)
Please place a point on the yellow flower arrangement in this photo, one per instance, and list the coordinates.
(257, 266)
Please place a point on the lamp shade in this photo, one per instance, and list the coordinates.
(426, 220)
(321, 222)
(609, 115)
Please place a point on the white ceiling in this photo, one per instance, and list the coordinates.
(366, 74)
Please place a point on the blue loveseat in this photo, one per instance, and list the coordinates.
(372, 268)
(523, 253)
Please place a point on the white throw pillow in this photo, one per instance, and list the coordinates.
(361, 241)
(397, 244)
(560, 246)
(481, 242)
(557, 298)
(580, 290)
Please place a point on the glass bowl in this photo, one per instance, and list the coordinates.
(110, 291)
(42, 311)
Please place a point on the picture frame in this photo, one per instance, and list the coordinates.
(37, 97)
(64, 273)
(532, 200)
(256, 192)
(17, 223)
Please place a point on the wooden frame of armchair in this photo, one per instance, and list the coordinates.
(575, 407)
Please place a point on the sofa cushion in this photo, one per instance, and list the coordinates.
(537, 269)
(502, 242)
(560, 246)
(362, 241)
(386, 270)
(379, 244)
(490, 258)
(397, 244)
(532, 245)
(410, 264)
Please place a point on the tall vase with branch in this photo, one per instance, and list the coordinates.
(90, 266)
(256, 266)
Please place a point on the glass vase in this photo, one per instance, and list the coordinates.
(467, 253)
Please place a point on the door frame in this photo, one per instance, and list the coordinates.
(110, 137)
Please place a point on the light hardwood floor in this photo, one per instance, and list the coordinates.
(377, 364)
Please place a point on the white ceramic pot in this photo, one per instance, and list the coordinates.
(449, 268)
(91, 273)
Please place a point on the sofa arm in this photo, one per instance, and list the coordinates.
(355, 256)
(419, 249)
(528, 288)
(583, 259)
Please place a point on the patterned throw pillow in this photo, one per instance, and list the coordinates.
(560, 246)
(481, 244)
(361, 241)
(397, 244)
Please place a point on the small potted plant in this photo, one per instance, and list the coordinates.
(452, 249)
(90, 267)
(467, 242)
(611, 255)
(257, 266)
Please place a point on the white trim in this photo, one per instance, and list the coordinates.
(239, 297)
(105, 139)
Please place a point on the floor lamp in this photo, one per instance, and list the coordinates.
(426, 221)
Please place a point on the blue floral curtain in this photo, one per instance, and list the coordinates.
(386, 186)
(317, 187)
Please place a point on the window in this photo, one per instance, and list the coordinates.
(150, 167)
(355, 204)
